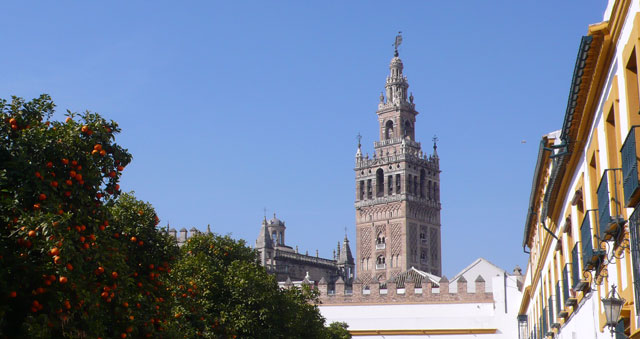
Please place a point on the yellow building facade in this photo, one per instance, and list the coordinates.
(583, 223)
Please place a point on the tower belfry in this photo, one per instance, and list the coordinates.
(397, 191)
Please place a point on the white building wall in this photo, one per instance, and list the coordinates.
(480, 267)
(501, 314)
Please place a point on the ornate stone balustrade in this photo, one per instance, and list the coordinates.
(392, 141)
(428, 161)
(304, 258)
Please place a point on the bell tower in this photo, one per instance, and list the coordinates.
(397, 191)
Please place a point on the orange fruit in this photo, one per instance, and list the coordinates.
(42, 197)
(63, 280)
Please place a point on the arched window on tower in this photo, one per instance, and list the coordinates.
(409, 183)
(274, 237)
(429, 195)
(379, 182)
(408, 129)
(423, 177)
(380, 263)
(388, 130)
(415, 185)
(380, 241)
(390, 185)
(398, 185)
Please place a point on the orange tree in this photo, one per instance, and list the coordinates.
(221, 291)
(144, 299)
(67, 262)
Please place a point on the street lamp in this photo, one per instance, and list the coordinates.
(612, 308)
(523, 326)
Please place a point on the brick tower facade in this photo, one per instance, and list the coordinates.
(397, 192)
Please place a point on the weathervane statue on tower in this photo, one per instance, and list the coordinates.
(397, 43)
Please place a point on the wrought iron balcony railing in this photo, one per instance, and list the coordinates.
(591, 257)
(629, 157)
(569, 298)
(558, 297)
(609, 223)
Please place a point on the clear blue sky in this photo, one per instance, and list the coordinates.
(232, 106)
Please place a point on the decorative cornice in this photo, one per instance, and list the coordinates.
(394, 198)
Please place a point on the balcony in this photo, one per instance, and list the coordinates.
(591, 257)
(545, 325)
(381, 245)
(609, 226)
(381, 266)
(629, 157)
(560, 295)
(569, 298)
(578, 283)
(552, 318)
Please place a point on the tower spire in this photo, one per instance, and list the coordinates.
(435, 146)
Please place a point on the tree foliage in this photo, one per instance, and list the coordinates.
(221, 291)
(64, 250)
(79, 259)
